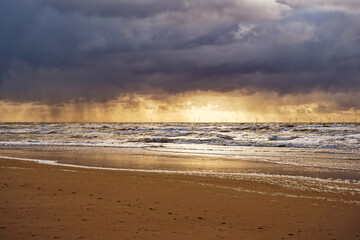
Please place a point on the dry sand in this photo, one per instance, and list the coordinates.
(51, 202)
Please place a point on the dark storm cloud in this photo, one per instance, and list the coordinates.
(115, 8)
(94, 51)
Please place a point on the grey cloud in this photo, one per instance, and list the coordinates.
(66, 51)
(332, 5)
(115, 8)
(181, 10)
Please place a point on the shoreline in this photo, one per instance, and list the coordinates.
(143, 205)
(136, 155)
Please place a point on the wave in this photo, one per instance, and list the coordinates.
(331, 136)
(278, 138)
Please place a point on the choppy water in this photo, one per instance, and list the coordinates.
(318, 145)
(321, 158)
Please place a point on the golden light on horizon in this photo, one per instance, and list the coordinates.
(192, 107)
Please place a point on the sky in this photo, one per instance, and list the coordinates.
(179, 60)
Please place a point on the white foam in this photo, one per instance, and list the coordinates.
(209, 139)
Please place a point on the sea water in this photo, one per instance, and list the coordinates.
(324, 158)
(330, 145)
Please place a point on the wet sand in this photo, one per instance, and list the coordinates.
(55, 202)
(147, 159)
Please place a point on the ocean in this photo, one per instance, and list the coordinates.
(281, 143)
(307, 157)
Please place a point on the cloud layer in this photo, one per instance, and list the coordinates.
(61, 51)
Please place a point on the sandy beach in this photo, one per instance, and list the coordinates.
(180, 119)
(56, 202)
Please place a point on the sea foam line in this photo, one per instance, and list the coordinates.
(280, 179)
(199, 173)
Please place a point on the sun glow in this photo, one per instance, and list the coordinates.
(191, 107)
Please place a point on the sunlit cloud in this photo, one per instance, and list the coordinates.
(195, 107)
